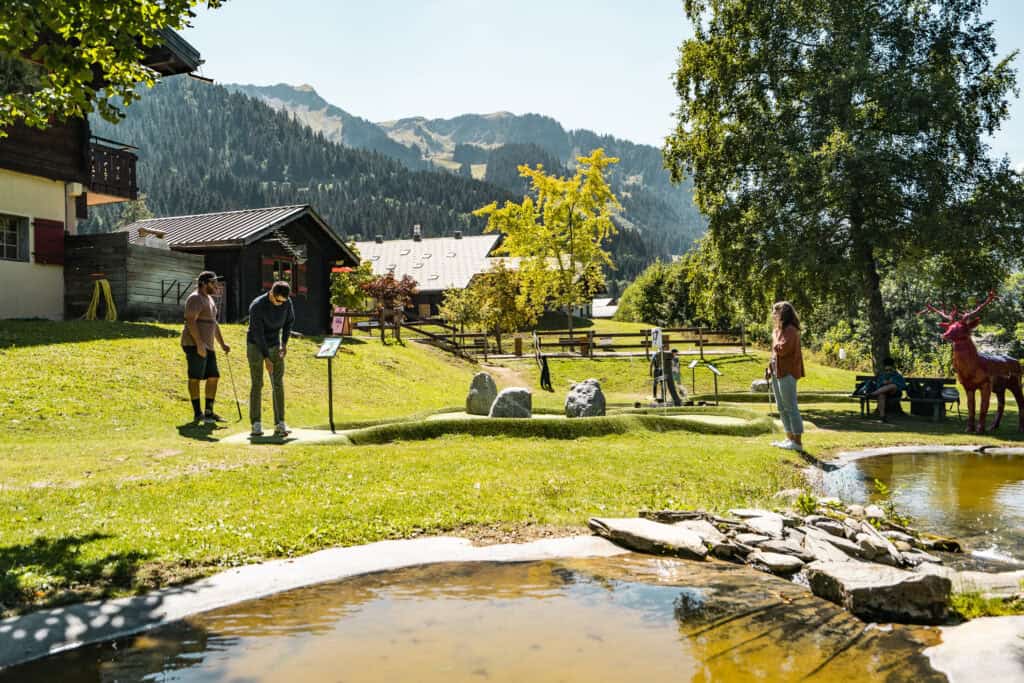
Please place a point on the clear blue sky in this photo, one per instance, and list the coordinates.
(599, 64)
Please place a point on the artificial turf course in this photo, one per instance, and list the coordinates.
(105, 487)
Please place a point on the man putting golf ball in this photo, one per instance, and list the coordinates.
(197, 340)
(271, 317)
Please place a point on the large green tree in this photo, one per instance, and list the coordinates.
(558, 232)
(833, 143)
(60, 58)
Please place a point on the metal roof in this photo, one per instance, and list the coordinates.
(436, 263)
(202, 231)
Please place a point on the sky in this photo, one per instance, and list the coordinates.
(604, 65)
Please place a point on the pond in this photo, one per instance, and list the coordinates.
(977, 498)
(625, 618)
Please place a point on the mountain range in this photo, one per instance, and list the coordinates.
(206, 147)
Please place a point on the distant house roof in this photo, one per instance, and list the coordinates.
(604, 308)
(227, 229)
(436, 263)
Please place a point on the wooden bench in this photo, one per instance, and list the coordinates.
(927, 396)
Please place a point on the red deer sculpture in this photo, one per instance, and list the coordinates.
(983, 371)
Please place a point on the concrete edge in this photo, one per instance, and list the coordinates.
(39, 634)
(985, 649)
(846, 457)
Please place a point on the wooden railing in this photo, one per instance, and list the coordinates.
(112, 170)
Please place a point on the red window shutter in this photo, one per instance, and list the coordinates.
(300, 279)
(267, 272)
(49, 242)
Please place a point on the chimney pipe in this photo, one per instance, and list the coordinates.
(458, 234)
(417, 234)
(379, 239)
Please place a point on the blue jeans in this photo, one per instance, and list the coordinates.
(784, 389)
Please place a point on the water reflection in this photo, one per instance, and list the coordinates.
(626, 618)
(973, 496)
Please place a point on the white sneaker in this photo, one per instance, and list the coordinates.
(281, 429)
(257, 429)
(779, 444)
(792, 446)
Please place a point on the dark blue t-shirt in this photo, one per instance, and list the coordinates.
(269, 325)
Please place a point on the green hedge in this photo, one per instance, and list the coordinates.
(561, 429)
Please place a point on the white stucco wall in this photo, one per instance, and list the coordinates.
(32, 290)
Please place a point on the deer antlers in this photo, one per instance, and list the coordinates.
(952, 315)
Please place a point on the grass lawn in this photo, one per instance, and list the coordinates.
(105, 488)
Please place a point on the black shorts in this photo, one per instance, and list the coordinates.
(199, 367)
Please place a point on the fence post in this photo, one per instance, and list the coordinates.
(743, 338)
(647, 346)
(590, 343)
(700, 342)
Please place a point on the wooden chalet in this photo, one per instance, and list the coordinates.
(49, 179)
(252, 249)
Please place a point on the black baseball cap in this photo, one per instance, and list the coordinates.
(208, 275)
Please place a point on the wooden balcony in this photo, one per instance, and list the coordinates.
(112, 175)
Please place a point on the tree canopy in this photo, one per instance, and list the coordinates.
(558, 232)
(834, 144)
(62, 57)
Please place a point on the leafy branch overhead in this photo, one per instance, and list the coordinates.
(60, 59)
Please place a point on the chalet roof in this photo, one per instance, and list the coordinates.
(436, 263)
(604, 307)
(173, 56)
(229, 229)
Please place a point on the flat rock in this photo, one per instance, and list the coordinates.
(831, 526)
(823, 551)
(787, 547)
(892, 555)
(856, 510)
(769, 526)
(988, 584)
(512, 402)
(746, 513)
(913, 557)
(733, 552)
(898, 536)
(482, 392)
(706, 530)
(645, 536)
(840, 542)
(874, 512)
(879, 593)
(585, 399)
(776, 563)
(752, 539)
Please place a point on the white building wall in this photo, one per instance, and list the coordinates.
(32, 290)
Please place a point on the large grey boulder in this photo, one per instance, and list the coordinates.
(769, 526)
(482, 392)
(760, 386)
(646, 536)
(512, 402)
(879, 593)
(585, 399)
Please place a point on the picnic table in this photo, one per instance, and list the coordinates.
(928, 396)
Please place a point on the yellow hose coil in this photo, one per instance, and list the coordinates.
(101, 288)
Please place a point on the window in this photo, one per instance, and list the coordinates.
(283, 271)
(13, 238)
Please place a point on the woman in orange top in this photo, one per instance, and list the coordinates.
(787, 366)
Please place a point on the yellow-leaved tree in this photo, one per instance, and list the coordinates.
(558, 233)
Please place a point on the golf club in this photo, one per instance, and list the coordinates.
(234, 390)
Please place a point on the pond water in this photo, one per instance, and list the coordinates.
(974, 497)
(625, 618)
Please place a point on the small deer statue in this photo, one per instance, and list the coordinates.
(983, 371)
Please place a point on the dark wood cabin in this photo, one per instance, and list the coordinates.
(252, 249)
(147, 282)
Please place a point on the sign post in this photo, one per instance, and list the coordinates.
(328, 350)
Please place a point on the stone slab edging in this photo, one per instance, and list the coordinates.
(985, 649)
(46, 632)
(846, 457)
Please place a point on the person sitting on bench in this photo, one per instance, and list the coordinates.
(889, 382)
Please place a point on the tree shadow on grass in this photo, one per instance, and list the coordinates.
(906, 424)
(18, 333)
(72, 578)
